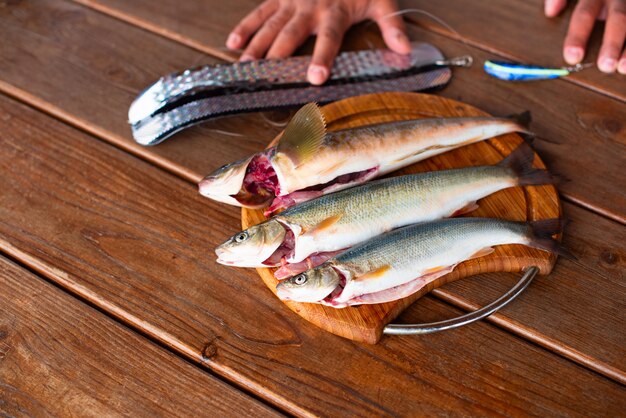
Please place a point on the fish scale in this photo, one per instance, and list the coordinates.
(398, 263)
(407, 199)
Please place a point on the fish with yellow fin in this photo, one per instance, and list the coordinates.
(309, 162)
(401, 262)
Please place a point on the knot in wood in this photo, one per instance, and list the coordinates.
(608, 257)
(209, 351)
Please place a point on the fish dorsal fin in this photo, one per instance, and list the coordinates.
(303, 135)
(374, 274)
(325, 224)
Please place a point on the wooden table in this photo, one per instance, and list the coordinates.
(112, 304)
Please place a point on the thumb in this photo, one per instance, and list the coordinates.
(554, 7)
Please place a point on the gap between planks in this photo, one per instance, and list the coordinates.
(60, 280)
(518, 329)
(80, 299)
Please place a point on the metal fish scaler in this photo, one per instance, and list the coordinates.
(179, 100)
(308, 234)
(308, 162)
(396, 264)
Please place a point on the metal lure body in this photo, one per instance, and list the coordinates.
(510, 71)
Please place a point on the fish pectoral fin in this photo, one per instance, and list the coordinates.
(374, 274)
(481, 253)
(325, 224)
(303, 135)
(470, 207)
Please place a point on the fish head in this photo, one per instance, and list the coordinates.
(251, 247)
(310, 286)
(238, 183)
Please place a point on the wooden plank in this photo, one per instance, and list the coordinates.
(59, 357)
(137, 242)
(599, 245)
(519, 31)
(580, 127)
(202, 25)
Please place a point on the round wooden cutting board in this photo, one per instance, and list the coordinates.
(365, 323)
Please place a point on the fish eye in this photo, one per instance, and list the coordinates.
(241, 237)
(300, 279)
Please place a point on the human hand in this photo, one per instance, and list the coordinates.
(612, 55)
(277, 28)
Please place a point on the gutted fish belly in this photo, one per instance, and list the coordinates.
(366, 273)
(308, 162)
(315, 230)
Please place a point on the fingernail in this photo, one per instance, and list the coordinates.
(233, 41)
(547, 8)
(573, 54)
(317, 74)
(607, 65)
(246, 57)
(621, 68)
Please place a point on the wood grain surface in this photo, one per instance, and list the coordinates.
(59, 357)
(137, 243)
(518, 31)
(366, 323)
(575, 127)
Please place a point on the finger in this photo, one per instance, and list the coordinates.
(261, 42)
(292, 36)
(553, 7)
(391, 26)
(333, 25)
(621, 67)
(580, 26)
(250, 24)
(614, 35)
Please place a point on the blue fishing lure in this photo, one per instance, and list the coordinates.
(519, 72)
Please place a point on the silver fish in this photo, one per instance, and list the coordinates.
(308, 162)
(398, 263)
(306, 235)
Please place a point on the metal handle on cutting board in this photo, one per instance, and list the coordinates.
(412, 329)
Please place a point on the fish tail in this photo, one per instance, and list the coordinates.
(521, 162)
(541, 236)
(522, 120)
